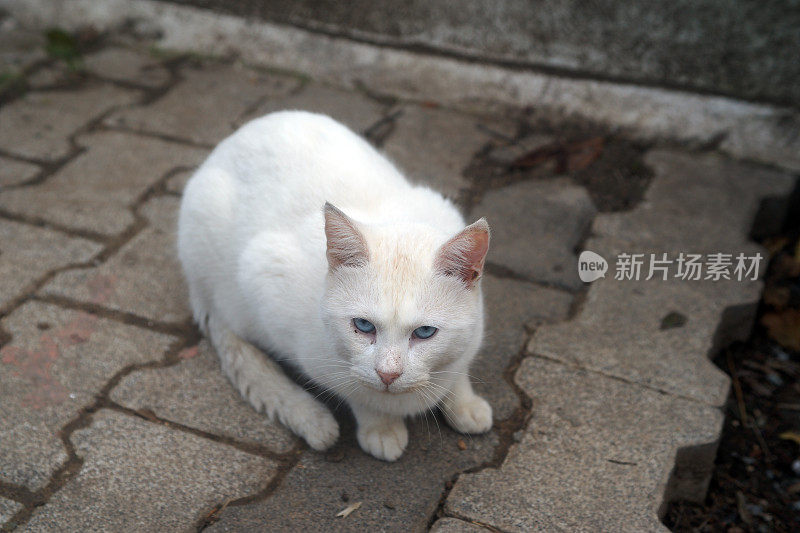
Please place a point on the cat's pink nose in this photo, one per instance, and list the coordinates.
(388, 377)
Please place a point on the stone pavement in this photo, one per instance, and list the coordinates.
(114, 414)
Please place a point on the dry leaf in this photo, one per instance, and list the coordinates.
(790, 435)
(148, 414)
(462, 445)
(582, 154)
(784, 327)
(344, 513)
(741, 504)
(567, 156)
(776, 296)
(539, 155)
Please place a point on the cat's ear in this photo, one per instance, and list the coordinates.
(346, 245)
(463, 255)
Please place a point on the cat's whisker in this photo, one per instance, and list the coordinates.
(424, 413)
(429, 387)
(348, 371)
(330, 364)
(446, 392)
(332, 381)
(476, 379)
(325, 394)
(431, 405)
(339, 379)
(333, 385)
(450, 416)
(347, 395)
(327, 360)
(443, 408)
(342, 397)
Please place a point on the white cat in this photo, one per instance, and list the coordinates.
(381, 305)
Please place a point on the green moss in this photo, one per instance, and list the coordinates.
(164, 53)
(12, 84)
(63, 46)
(167, 54)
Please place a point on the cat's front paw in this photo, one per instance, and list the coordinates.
(315, 423)
(469, 415)
(385, 439)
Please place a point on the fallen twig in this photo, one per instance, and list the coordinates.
(737, 389)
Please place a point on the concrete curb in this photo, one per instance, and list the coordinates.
(744, 130)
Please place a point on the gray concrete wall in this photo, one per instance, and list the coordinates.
(743, 48)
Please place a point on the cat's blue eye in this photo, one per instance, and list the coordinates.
(365, 326)
(425, 332)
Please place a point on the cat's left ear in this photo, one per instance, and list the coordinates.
(463, 256)
(346, 244)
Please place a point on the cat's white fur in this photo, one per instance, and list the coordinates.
(268, 266)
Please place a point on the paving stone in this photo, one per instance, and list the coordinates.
(619, 332)
(454, 525)
(53, 76)
(535, 228)
(124, 64)
(509, 306)
(206, 106)
(39, 124)
(400, 496)
(695, 203)
(195, 393)
(434, 146)
(620, 329)
(19, 49)
(596, 456)
(56, 362)
(146, 272)
(7, 509)
(14, 172)
(176, 183)
(140, 476)
(28, 252)
(351, 108)
(94, 191)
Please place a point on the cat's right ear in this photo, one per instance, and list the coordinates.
(346, 245)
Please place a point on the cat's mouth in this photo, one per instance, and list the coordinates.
(391, 389)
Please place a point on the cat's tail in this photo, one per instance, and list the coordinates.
(262, 382)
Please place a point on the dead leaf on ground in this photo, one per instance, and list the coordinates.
(539, 156)
(344, 513)
(582, 154)
(741, 505)
(569, 156)
(790, 435)
(784, 328)
(776, 296)
(144, 412)
(787, 266)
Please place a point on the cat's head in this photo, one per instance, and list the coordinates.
(403, 306)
